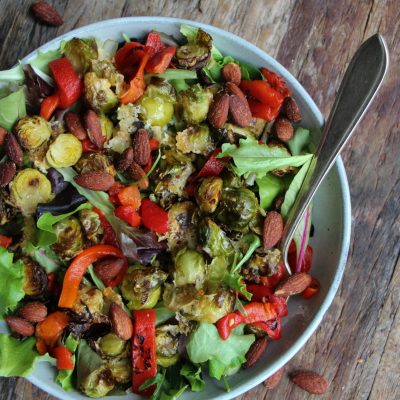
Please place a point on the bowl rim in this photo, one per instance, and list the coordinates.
(292, 350)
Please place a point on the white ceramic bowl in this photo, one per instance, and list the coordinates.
(331, 214)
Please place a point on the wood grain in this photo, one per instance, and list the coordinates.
(357, 344)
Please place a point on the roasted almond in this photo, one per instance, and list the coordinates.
(218, 112)
(74, 125)
(33, 312)
(93, 128)
(273, 229)
(126, 159)
(13, 149)
(291, 110)
(141, 147)
(3, 134)
(231, 73)
(7, 172)
(46, 13)
(234, 89)
(294, 284)
(19, 325)
(138, 175)
(255, 352)
(283, 129)
(100, 181)
(310, 381)
(122, 324)
(108, 268)
(240, 111)
(273, 381)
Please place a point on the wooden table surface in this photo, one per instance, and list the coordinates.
(357, 345)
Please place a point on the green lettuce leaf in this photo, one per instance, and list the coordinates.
(11, 282)
(224, 357)
(12, 108)
(65, 378)
(163, 314)
(269, 187)
(300, 140)
(41, 61)
(13, 75)
(193, 375)
(97, 281)
(171, 74)
(44, 256)
(236, 282)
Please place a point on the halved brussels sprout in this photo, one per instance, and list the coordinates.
(7, 212)
(262, 263)
(92, 226)
(142, 287)
(111, 345)
(216, 272)
(89, 302)
(98, 383)
(121, 369)
(95, 162)
(195, 103)
(80, 52)
(167, 341)
(32, 132)
(230, 179)
(209, 193)
(69, 238)
(106, 126)
(98, 93)
(195, 139)
(35, 278)
(237, 208)
(195, 54)
(29, 188)
(106, 69)
(235, 133)
(65, 151)
(190, 268)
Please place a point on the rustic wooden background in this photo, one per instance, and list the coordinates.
(357, 344)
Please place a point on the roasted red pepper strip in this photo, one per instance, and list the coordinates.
(312, 290)
(260, 110)
(307, 259)
(263, 92)
(5, 241)
(226, 324)
(154, 42)
(160, 61)
(89, 147)
(264, 294)
(154, 144)
(273, 328)
(69, 86)
(154, 217)
(128, 55)
(50, 330)
(128, 214)
(276, 82)
(213, 166)
(49, 105)
(273, 280)
(63, 357)
(78, 267)
(144, 364)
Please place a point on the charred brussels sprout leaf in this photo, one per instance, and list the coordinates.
(121, 369)
(80, 52)
(35, 278)
(195, 103)
(92, 226)
(196, 53)
(69, 238)
(98, 93)
(65, 151)
(167, 340)
(208, 194)
(32, 132)
(190, 268)
(105, 69)
(262, 263)
(197, 140)
(94, 162)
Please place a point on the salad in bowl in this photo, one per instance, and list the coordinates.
(144, 189)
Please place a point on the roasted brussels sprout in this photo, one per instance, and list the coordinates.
(80, 52)
(98, 383)
(92, 226)
(29, 188)
(197, 140)
(195, 103)
(182, 230)
(32, 132)
(7, 212)
(65, 151)
(262, 263)
(189, 268)
(106, 126)
(216, 272)
(196, 53)
(209, 193)
(89, 302)
(105, 69)
(111, 345)
(237, 208)
(142, 287)
(214, 240)
(69, 238)
(35, 278)
(230, 179)
(98, 93)
(199, 306)
(94, 162)
(121, 369)
(235, 133)
(167, 340)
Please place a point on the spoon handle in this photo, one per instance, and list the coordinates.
(361, 81)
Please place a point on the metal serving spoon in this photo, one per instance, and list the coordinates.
(361, 82)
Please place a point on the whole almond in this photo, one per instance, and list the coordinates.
(273, 229)
(231, 73)
(273, 381)
(46, 13)
(7, 172)
(3, 134)
(141, 147)
(218, 111)
(122, 324)
(100, 181)
(108, 268)
(13, 149)
(294, 284)
(283, 129)
(240, 111)
(310, 381)
(138, 175)
(291, 109)
(255, 352)
(234, 89)
(33, 312)
(75, 126)
(93, 128)
(19, 325)
(126, 159)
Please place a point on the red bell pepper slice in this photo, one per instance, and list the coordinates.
(78, 267)
(69, 86)
(63, 358)
(263, 92)
(89, 147)
(276, 82)
(49, 105)
(312, 290)
(130, 196)
(213, 166)
(49, 331)
(5, 241)
(226, 324)
(154, 144)
(161, 60)
(113, 193)
(144, 364)
(154, 42)
(307, 259)
(128, 214)
(128, 55)
(154, 217)
(273, 280)
(273, 328)
(260, 110)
